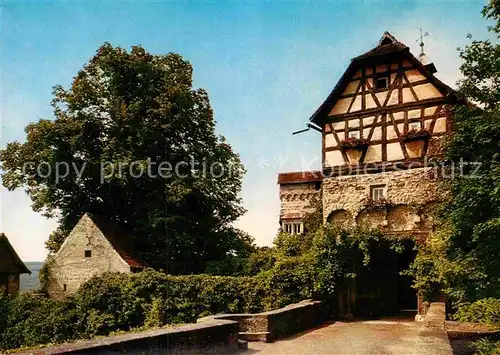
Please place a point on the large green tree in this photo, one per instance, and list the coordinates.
(128, 112)
(463, 256)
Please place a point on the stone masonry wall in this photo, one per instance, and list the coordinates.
(70, 267)
(411, 197)
(296, 198)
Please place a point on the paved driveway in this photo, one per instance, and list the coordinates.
(387, 336)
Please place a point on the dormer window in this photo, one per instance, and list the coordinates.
(382, 83)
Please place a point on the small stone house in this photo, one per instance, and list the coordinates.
(11, 267)
(383, 120)
(95, 245)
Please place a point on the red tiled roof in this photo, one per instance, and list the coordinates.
(118, 238)
(300, 176)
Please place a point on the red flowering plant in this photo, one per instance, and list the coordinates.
(354, 143)
(415, 135)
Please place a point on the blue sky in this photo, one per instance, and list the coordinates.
(266, 66)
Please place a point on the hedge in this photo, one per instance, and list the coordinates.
(296, 269)
(122, 302)
(486, 311)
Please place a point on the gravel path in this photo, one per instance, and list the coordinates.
(388, 336)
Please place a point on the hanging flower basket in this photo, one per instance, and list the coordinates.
(415, 135)
(354, 148)
(415, 142)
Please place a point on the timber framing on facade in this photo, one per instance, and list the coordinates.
(382, 121)
(387, 113)
(411, 96)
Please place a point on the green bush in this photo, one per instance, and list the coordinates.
(486, 311)
(32, 319)
(486, 347)
(289, 281)
(119, 302)
(294, 270)
(126, 301)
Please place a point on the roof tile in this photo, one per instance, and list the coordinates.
(299, 177)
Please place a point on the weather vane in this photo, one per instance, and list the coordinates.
(421, 39)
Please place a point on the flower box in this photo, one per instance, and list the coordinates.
(415, 142)
(354, 148)
(416, 135)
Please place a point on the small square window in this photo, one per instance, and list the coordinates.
(381, 83)
(414, 126)
(378, 193)
(88, 253)
(354, 134)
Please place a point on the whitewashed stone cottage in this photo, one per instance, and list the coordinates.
(94, 246)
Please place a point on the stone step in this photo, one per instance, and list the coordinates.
(265, 337)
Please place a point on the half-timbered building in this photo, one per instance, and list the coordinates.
(381, 123)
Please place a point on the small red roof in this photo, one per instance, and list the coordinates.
(299, 177)
(119, 239)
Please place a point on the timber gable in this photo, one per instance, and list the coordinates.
(410, 97)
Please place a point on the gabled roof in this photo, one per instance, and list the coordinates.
(119, 239)
(300, 177)
(10, 263)
(387, 44)
(387, 47)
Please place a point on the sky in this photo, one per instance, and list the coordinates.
(267, 66)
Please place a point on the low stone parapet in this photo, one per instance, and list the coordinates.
(433, 341)
(433, 338)
(267, 326)
(214, 336)
(436, 316)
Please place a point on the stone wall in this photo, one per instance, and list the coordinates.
(70, 268)
(411, 197)
(268, 326)
(213, 337)
(295, 199)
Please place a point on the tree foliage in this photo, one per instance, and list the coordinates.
(462, 258)
(134, 110)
